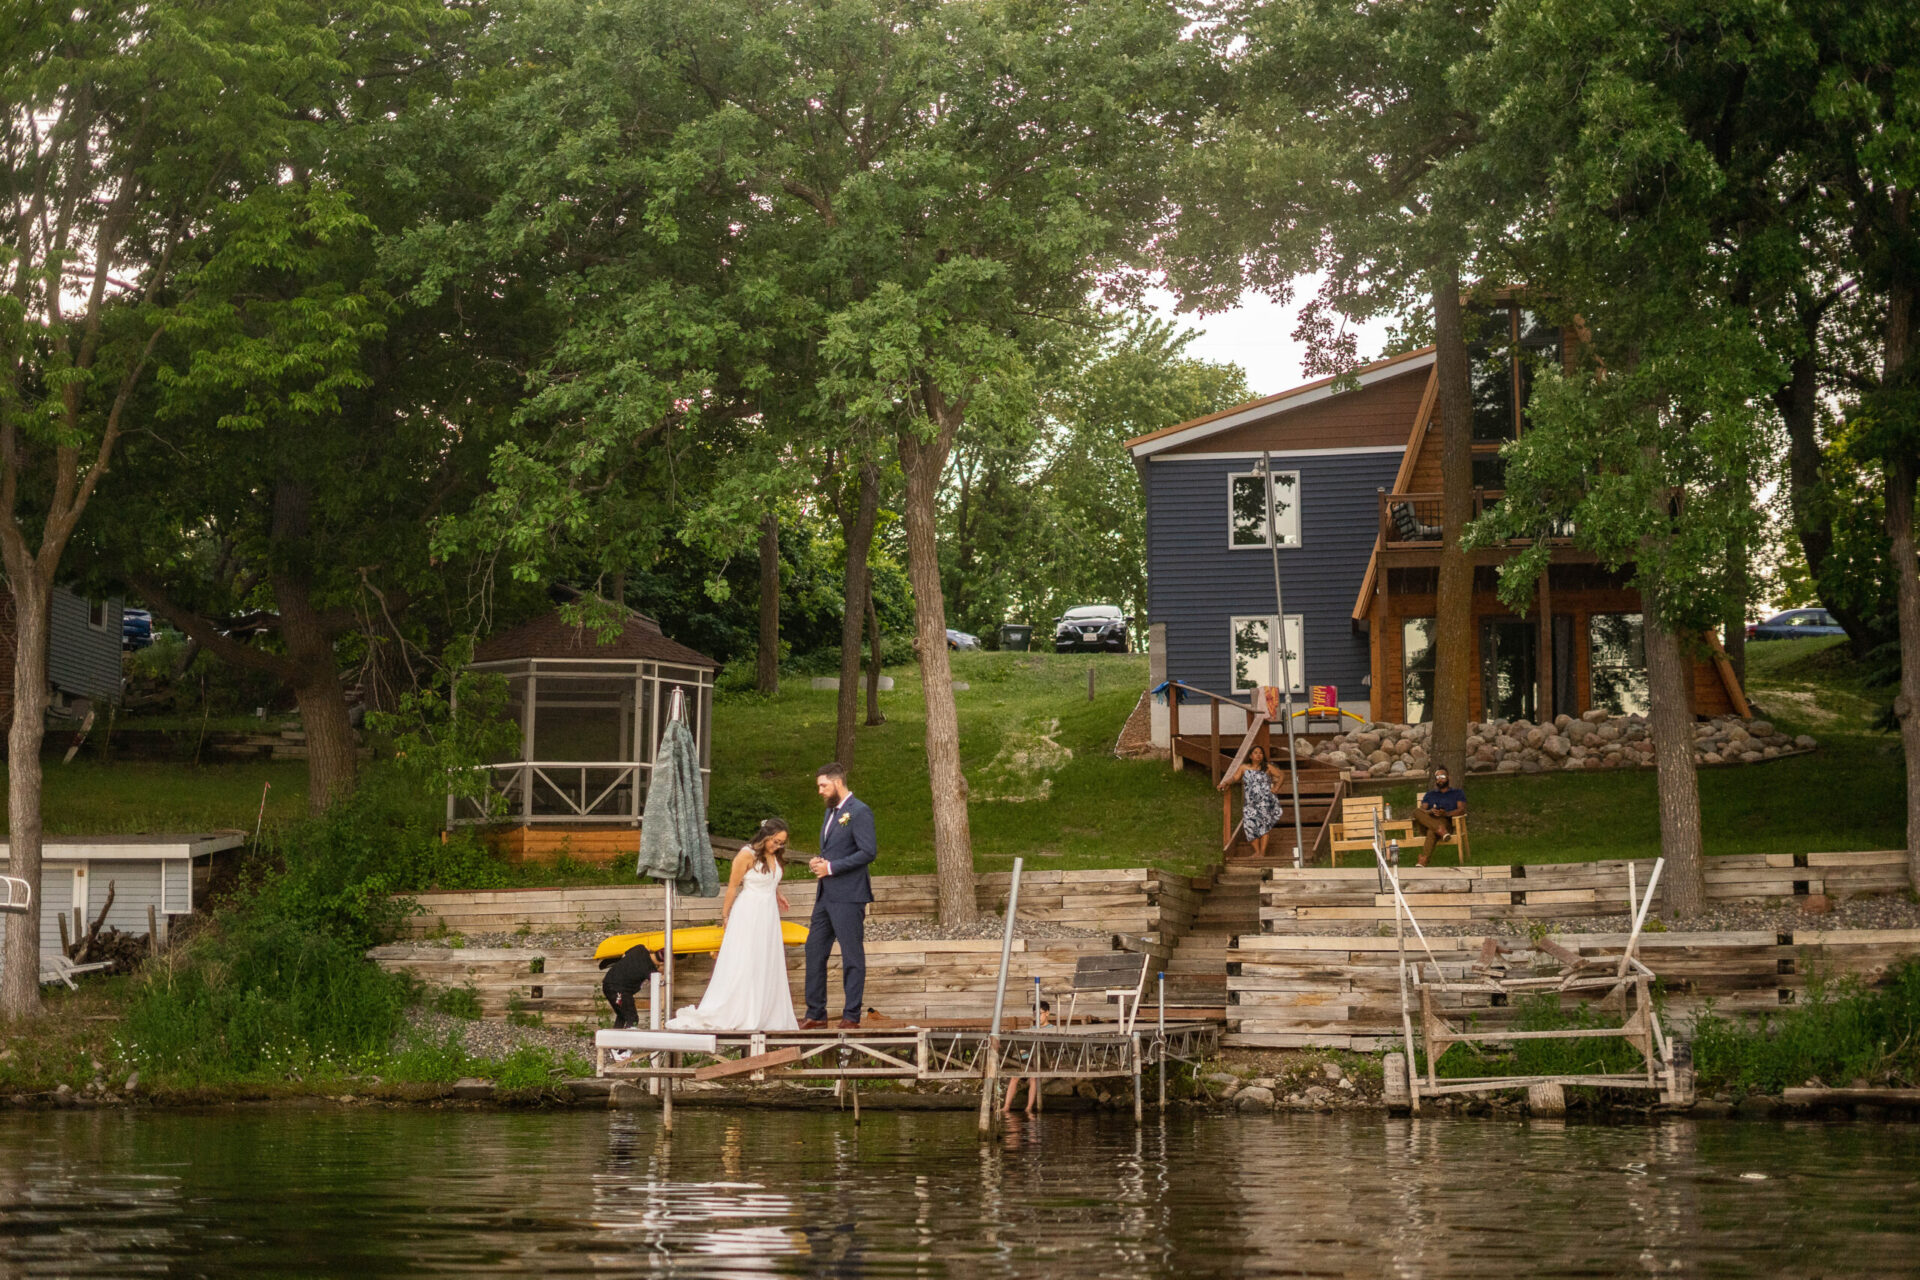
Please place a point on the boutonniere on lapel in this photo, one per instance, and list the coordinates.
(845, 818)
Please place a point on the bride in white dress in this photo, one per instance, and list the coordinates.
(748, 991)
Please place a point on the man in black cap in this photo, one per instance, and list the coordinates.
(627, 976)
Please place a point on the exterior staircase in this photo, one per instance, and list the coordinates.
(1230, 898)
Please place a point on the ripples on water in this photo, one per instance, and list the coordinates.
(370, 1192)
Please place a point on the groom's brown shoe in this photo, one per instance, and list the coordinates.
(812, 1024)
(849, 1022)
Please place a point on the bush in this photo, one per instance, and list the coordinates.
(1843, 1032)
(738, 805)
(262, 997)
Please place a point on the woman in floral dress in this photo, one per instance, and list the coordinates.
(1261, 808)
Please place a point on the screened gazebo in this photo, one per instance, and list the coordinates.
(590, 716)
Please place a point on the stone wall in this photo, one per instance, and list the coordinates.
(1595, 740)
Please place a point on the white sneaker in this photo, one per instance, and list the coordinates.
(621, 1055)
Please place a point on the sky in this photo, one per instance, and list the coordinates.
(1257, 335)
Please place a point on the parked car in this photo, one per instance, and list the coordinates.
(136, 628)
(1096, 627)
(1795, 624)
(961, 640)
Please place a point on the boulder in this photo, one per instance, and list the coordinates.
(1805, 742)
(1507, 766)
(1760, 728)
(1332, 1071)
(1254, 1098)
(1507, 742)
(1535, 737)
(1556, 747)
(1595, 716)
(1486, 755)
(1608, 732)
(1561, 721)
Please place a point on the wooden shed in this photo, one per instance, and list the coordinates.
(590, 714)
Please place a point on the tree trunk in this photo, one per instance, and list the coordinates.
(32, 600)
(1453, 606)
(923, 461)
(767, 678)
(1739, 594)
(1672, 724)
(1900, 483)
(1900, 475)
(853, 615)
(875, 658)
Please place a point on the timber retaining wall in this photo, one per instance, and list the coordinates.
(1302, 990)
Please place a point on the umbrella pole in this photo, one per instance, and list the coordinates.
(666, 1089)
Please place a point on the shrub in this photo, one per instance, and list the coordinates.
(1843, 1031)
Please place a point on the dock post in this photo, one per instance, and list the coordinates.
(990, 1070)
(1160, 1041)
(1138, 1112)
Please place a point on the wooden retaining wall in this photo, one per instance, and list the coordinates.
(1341, 899)
(905, 980)
(1134, 901)
(1301, 990)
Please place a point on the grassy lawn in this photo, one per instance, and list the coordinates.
(1848, 795)
(89, 798)
(1098, 811)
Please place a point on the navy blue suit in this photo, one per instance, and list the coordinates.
(848, 843)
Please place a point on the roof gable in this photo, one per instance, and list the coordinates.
(1234, 429)
(551, 636)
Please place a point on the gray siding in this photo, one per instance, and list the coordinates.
(82, 659)
(136, 885)
(1196, 583)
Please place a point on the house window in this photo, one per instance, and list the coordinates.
(1505, 344)
(1247, 510)
(1417, 666)
(97, 614)
(1254, 662)
(1617, 663)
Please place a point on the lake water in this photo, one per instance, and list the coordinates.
(365, 1192)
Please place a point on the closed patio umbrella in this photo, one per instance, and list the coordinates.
(674, 845)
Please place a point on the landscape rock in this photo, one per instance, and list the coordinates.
(1332, 1071)
(1254, 1098)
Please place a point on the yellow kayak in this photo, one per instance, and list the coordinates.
(689, 941)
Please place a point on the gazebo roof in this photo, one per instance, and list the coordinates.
(550, 636)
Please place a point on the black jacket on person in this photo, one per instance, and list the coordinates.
(629, 974)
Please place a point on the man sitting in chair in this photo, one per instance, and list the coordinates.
(1438, 809)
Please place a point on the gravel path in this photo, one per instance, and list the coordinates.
(492, 1038)
(1880, 911)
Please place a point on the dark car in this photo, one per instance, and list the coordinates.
(1101, 628)
(962, 639)
(136, 628)
(1795, 624)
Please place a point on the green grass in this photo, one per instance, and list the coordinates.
(1100, 811)
(90, 798)
(1850, 794)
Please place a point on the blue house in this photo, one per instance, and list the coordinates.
(1356, 494)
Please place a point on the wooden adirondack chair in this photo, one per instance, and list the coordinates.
(1354, 832)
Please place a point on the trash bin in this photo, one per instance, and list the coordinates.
(1017, 636)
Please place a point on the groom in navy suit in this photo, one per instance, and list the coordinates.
(847, 845)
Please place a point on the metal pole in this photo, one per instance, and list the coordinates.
(1286, 673)
(1160, 1041)
(990, 1071)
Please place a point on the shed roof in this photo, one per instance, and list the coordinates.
(551, 636)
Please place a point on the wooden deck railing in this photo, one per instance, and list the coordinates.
(1419, 519)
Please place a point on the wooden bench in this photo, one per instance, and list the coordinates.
(1354, 832)
(1118, 976)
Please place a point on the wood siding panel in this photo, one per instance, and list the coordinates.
(1196, 583)
(83, 660)
(1368, 417)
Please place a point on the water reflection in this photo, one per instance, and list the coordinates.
(376, 1193)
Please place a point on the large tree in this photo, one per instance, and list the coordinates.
(1336, 151)
(133, 133)
(885, 208)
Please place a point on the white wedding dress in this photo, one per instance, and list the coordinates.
(749, 990)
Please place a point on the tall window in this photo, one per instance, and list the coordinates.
(1253, 660)
(1617, 661)
(1417, 665)
(1247, 510)
(1505, 343)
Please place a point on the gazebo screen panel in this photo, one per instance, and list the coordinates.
(583, 718)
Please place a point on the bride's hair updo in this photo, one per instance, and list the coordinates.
(768, 829)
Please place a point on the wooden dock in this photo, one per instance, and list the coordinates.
(950, 1054)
